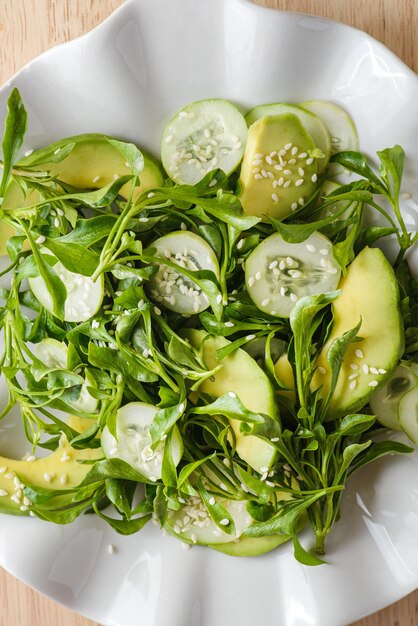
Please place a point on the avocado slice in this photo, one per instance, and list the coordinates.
(369, 292)
(59, 470)
(250, 546)
(240, 374)
(279, 168)
(92, 163)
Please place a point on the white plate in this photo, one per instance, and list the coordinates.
(126, 78)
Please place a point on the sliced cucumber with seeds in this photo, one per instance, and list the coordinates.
(312, 124)
(133, 443)
(278, 273)
(171, 288)
(341, 127)
(203, 136)
(84, 296)
(386, 401)
(54, 354)
(408, 414)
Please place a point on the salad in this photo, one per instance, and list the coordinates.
(212, 341)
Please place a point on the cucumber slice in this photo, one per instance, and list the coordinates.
(312, 124)
(340, 125)
(250, 546)
(203, 136)
(278, 273)
(386, 401)
(133, 443)
(84, 296)
(172, 289)
(54, 354)
(408, 414)
(194, 524)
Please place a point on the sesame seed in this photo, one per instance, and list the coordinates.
(219, 298)
(280, 181)
(294, 150)
(274, 197)
(309, 161)
(310, 247)
(40, 239)
(288, 146)
(269, 160)
(322, 370)
(28, 153)
(354, 366)
(299, 182)
(212, 501)
(224, 522)
(301, 171)
(10, 475)
(110, 548)
(3, 492)
(353, 376)
(275, 439)
(353, 384)
(287, 184)
(264, 173)
(259, 155)
(47, 477)
(359, 353)
(265, 302)
(229, 324)
(3, 469)
(258, 177)
(157, 311)
(269, 483)
(96, 179)
(282, 265)
(240, 244)
(365, 368)
(283, 291)
(294, 206)
(373, 383)
(287, 172)
(302, 155)
(250, 337)
(273, 264)
(24, 507)
(301, 201)
(116, 176)
(374, 370)
(251, 281)
(258, 276)
(314, 178)
(382, 371)
(293, 297)
(26, 501)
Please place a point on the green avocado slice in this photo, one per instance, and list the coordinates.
(59, 470)
(93, 163)
(369, 292)
(250, 546)
(240, 374)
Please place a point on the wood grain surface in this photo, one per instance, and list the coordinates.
(27, 28)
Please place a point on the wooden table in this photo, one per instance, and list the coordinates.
(27, 28)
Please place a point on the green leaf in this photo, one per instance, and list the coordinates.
(216, 511)
(124, 526)
(391, 168)
(70, 255)
(379, 449)
(130, 153)
(357, 162)
(53, 283)
(230, 406)
(14, 133)
(49, 154)
(336, 353)
(90, 231)
(303, 556)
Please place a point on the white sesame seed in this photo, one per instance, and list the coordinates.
(251, 281)
(258, 275)
(258, 177)
(288, 146)
(294, 206)
(10, 475)
(314, 178)
(353, 384)
(212, 501)
(224, 522)
(250, 337)
(116, 176)
(26, 501)
(3, 469)
(111, 548)
(229, 324)
(299, 182)
(269, 160)
(309, 161)
(287, 184)
(301, 171)
(287, 172)
(274, 197)
(3, 493)
(219, 298)
(240, 244)
(265, 302)
(259, 155)
(354, 366)
(40, 239)
(28, 153)
(406, 195)
(353, 376)
(382, 371)
(47, 477)
(322, 370)
(359, 353)
(264, 173)
(275, 183)
(302, 155)
(310, 247)
(95, 324)
(24, 507)
(301, 201)
(157, 311)
(283, 291)
(273, 264)
(373, 383)
(374, 370)
(275, 439)
(365, 368)
(293, 297)
(282, 265)
(280, 181)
